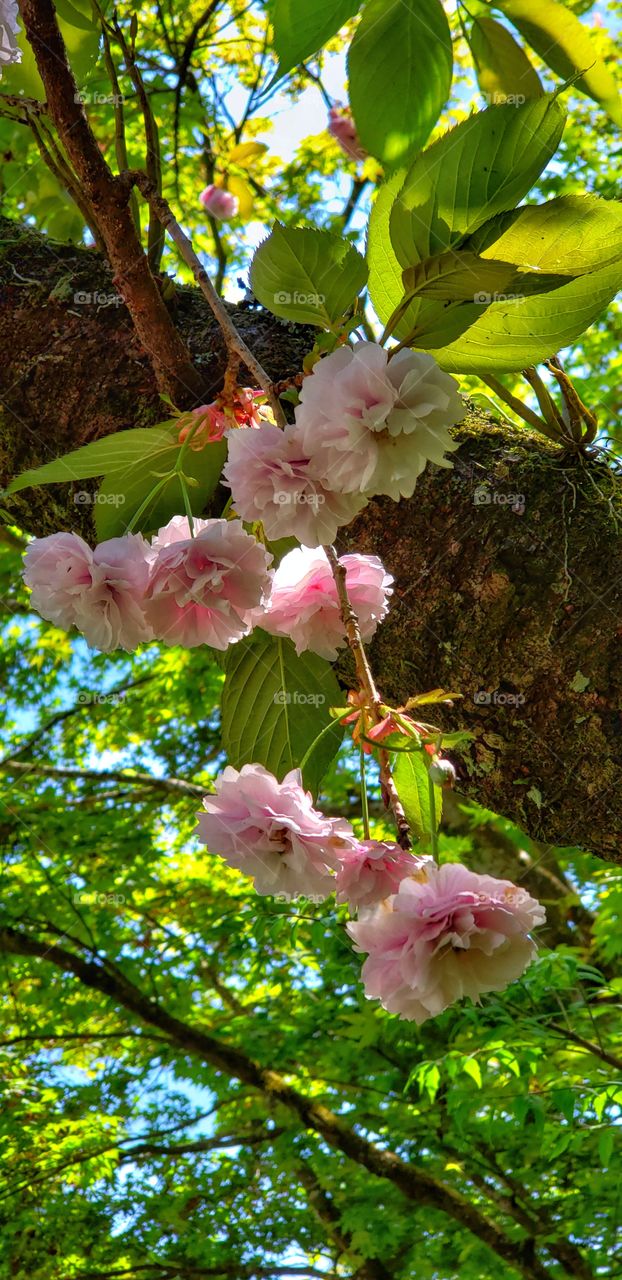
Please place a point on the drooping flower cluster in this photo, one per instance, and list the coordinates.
(447, 933)
(365, 425)
(178, 589)
(433, 935)
(219, 203)
(211, 588)
(9, 32)
(304, 604)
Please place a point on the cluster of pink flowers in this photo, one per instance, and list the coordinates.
(365, 425)
(432, 935)
(211, 588)
(178, 589)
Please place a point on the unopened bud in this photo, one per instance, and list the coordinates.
(443, 773)
(220, 203)
(341, 127)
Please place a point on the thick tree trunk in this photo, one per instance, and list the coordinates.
(508, 567)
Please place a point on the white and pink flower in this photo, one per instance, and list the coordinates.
(274, 480)
(373, 871)
(370, 424)
(271, 831)
(10, 51)
(202, 589)
(304, 604)
(446, 934)
(100, 592)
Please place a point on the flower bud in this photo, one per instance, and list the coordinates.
(220, 203)
(442, 773)
(341, 127)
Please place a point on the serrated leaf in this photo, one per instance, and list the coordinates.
(411, 777)
(399, 69)
(122, 493)
(309, 276)
(275, 703)
(385, 272)
(139, 445)
(503, 69)
(514, 333)
(569, 235)
(565, 45)
(301, 27)
(482, 167)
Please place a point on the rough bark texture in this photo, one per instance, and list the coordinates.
(516, 605)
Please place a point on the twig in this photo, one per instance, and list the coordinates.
(368, 687)
(153, 163)
(235, 344)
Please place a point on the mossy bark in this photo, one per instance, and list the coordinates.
(507, 586)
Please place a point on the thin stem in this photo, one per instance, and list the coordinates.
(433, 831)
(368, 687)
(234, 342)
(364, 800)
(548, 407)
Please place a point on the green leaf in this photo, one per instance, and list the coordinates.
(566, 46)
(503, 69)
(275, 703)
(471, 1068)
(301, 27)
(411, 777)
(400, 68)
(482, 167)
(385, 272)
(309, 276)
(123, 493)
(512, 334)
(112, 453)
(570, 235)
(605, 1146)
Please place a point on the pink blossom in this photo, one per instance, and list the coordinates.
(271, 831)
(304, 604)
(202, 589)
(100, 592)
(371, 424)
(445, 934)
(272, 479)
(220, 203)
(9, 33)
(212, 426)
(341, 127)
(373, 871)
